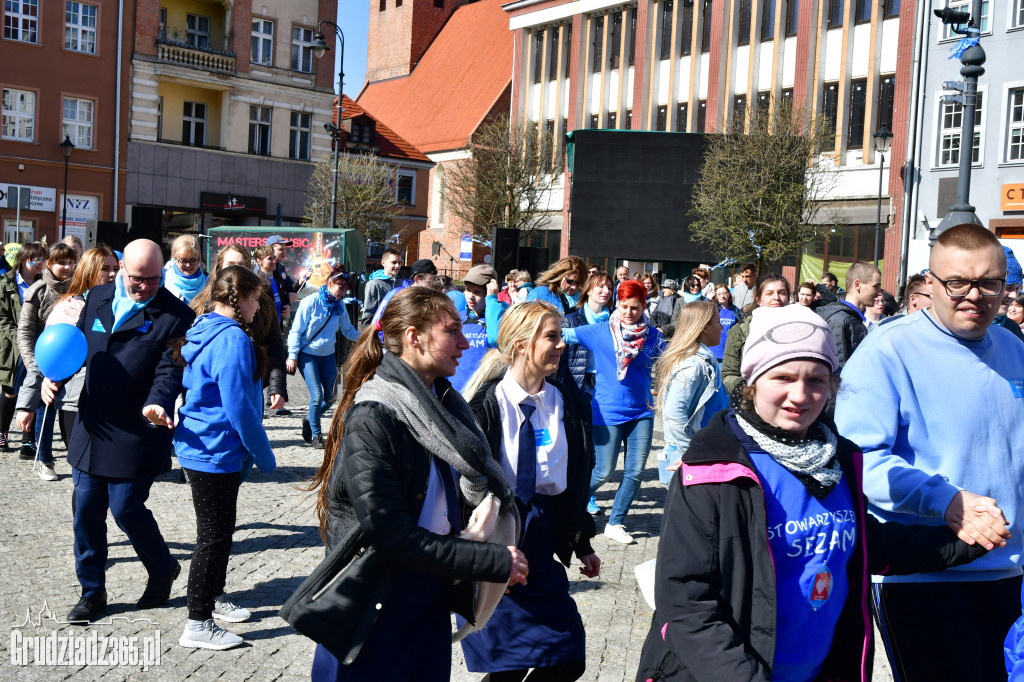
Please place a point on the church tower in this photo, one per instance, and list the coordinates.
(400, 32)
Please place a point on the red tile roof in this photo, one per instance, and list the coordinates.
(388, 142)
(459, 79)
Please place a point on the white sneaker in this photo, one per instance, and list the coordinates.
(47, 473)
(618, 533)
(225, 610)
(205, 634)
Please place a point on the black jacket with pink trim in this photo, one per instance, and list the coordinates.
(715, 579)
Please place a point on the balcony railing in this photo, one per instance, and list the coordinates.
(207, 59)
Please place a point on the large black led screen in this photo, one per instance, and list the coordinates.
(631, 195)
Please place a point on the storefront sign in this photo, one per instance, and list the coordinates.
(40, 198)
(231, 203)
(1012, 197)
(81, 209)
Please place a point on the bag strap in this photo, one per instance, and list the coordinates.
(322, 327)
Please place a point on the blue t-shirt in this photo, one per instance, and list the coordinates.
(811, 542)
(728, 318)
(276, 294)
(614, 401)
(475, 332)
(459, 299)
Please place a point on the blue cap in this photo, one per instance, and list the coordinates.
(1014, 275)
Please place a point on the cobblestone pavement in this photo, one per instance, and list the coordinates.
(275, 547)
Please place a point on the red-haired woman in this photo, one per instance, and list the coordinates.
(624, 349)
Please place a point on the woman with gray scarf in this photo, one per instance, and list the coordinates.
(399, 435)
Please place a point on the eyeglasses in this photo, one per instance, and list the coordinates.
(959, 288)
(37, 261)
(149, 281)
(922, 293)
(570, 282)
(186, 261)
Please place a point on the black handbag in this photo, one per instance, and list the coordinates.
(340, 600)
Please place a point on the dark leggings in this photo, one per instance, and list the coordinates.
(215, 498)
(7, 402)
(563, 672)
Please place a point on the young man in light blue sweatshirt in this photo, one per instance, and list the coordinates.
(935, 401)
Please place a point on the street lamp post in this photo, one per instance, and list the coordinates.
(883, 140)
(66, 147)
(972, 56)
(320, 47)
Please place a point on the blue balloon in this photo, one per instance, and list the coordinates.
(60, 351)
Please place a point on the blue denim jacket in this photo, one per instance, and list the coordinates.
(695, 381)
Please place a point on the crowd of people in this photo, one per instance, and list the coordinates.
(829, 456)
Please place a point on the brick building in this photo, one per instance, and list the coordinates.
(438, 102)
(363, 134)
(228, 108)
(61, 79)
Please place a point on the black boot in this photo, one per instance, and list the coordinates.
(158, 590)
(87, 609)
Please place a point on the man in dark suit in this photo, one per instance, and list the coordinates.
(122, 436)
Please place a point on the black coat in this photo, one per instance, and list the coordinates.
(573, 525)
(126, 371)
(847, 328)
(378, 482)
(715, 581)
(573, 364)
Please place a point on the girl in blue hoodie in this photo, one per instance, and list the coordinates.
(220, 425)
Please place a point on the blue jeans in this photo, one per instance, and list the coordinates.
(321, 375)
(44, 430)
(636, 435)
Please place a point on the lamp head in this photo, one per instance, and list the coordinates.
(883, 140)
(320, 45)
(66, 147)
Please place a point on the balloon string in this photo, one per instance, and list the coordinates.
(38, 464)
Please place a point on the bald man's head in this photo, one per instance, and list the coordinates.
(142, 268)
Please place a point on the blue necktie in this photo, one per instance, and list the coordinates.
(451, 495)
(526, 469)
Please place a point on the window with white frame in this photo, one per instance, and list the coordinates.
(298, 139)
(80, 27)
(197, 31)
(262, 42)
(193, 124)
(21, 20)
(951, 118)
(259, 130)
(1017, 18)
(302, 49)
(405, 190)
(19, 115)
(78, 117)
(965, 6)
(1015, 126)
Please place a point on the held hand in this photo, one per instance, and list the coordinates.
(25, 419)
(591, 566)
(276, 401)
(520, 567)
(977, 519)
(157, 416)
(49, 390)
(492, 287)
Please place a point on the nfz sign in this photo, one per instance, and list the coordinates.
(1012, 198)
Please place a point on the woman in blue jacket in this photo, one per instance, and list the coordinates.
(578, 363)
(311, 344)
(693, 384)
(220, 425)
(624, 350)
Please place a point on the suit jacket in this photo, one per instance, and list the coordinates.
(125, 371)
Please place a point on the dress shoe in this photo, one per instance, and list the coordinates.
(158, 590)
(87, 609)
(307, 430)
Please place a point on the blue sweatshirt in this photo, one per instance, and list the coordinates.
(221, 420)
(936, 414)
(310, 319)
(477, 333)
(614, 401)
